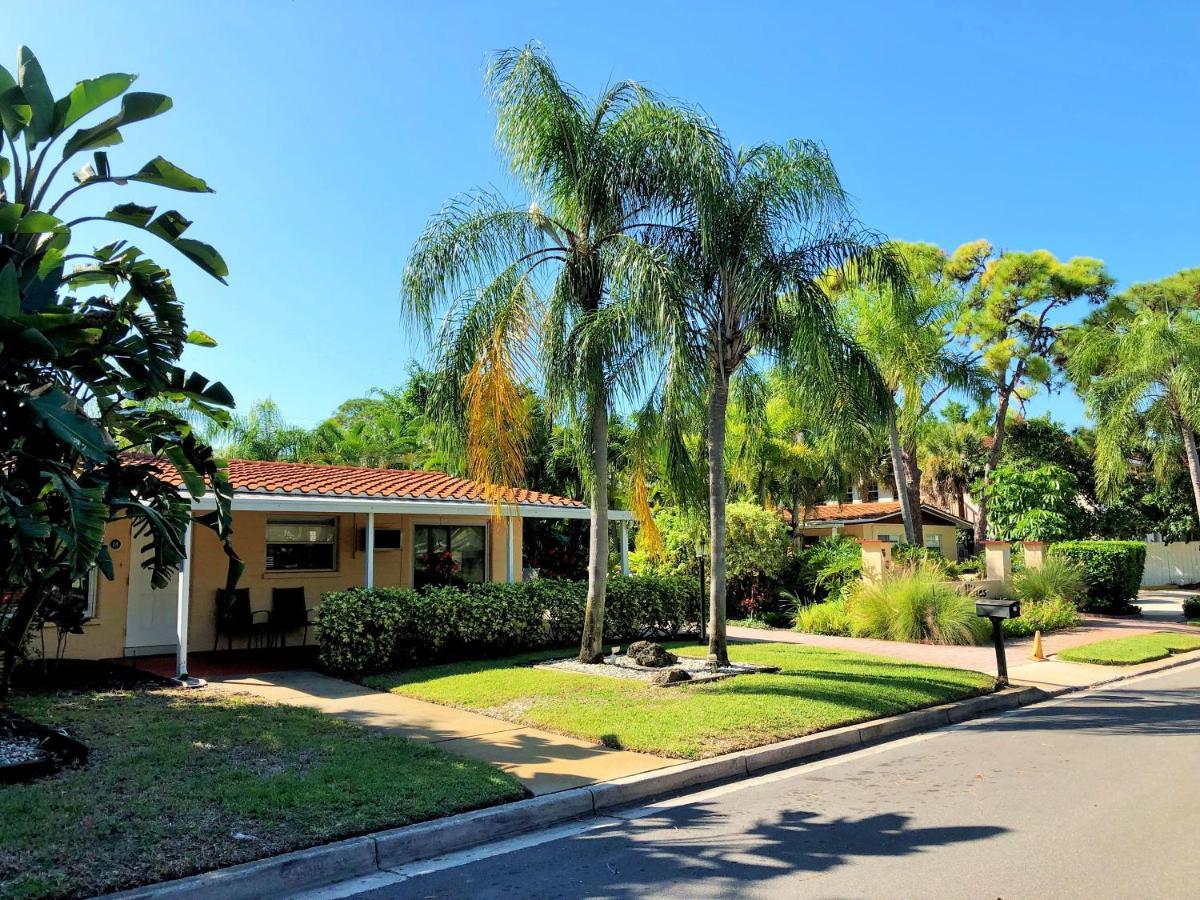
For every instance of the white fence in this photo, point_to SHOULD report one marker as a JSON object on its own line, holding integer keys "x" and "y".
{"x": 1177, "y": 563}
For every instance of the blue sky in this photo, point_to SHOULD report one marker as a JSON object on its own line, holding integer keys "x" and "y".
{"x": 331, "y": 132}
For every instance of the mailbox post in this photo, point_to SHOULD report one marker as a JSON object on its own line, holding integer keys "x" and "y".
{"x": 998, "y": 611}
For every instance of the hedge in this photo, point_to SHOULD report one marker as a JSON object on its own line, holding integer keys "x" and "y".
{"x": 366, "y": 630}
{"x": 1112, "y": 569}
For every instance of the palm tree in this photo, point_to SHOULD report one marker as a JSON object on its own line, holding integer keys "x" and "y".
{"x": 544, "y": 291}
{"x": 909, "y": 335}
{"x": 951, "y": 461}
{"x": 789, "y": 456}
{"x": 1137, "y": 363}
{"x": 768, "y": 223}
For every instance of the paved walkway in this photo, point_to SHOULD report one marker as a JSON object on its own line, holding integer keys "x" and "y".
{"x": 541, "y": 761}
{"x": 1161, "y": 612}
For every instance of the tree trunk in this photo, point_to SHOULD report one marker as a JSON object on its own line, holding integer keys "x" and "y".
{"x": 591, "y": 649}
{"x": 912, "y": 477}
{"x": 797, "y": 515}
{"x": 898, "y": 475}
{"x": 993, "y": 462}
{"x": 1193, "y": 463}
{"x": 718, "y": 401}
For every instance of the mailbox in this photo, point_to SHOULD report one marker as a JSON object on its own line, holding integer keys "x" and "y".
{"x": 998, "y": 609}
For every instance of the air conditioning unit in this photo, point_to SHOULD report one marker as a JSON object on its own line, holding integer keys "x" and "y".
{"x": 385, "y": 539}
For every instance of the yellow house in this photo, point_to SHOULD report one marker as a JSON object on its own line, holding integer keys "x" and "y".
{"x": 319, "y": 528}
{"x": 881, "y": 520}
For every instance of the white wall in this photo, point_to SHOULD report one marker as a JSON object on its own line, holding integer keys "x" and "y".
{"x": 1177, "y": 563}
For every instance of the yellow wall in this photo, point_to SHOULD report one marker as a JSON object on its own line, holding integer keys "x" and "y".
{"x": 104, "y": 635}
{"x": 870, "y": 531}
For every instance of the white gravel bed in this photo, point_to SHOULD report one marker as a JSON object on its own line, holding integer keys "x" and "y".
{"x": 621, "y": 666}
{"x": 17, "y": 750}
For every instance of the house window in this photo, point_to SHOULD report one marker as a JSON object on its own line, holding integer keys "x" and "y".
{"x": 873, "y": 494}
{"x": 933, "y": 541}
{"x": 849, "y": 498}
{"x": 449, "y": 554}
{"x": 301, "y": 545}
{"x": 893, "y": 538}
{"x": 86, "y": 589}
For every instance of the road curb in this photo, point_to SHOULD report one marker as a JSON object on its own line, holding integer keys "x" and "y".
{"x": 316, "y": 867}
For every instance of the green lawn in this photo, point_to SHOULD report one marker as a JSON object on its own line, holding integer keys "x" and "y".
{"x": 816, "y": 689}
{"x": 174, "y": 775}
{"x": 1129, "y": 651}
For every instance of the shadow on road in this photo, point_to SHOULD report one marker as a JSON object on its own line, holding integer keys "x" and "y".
{"x": 718, "y": 850}
{"x": 1112, "y": 712}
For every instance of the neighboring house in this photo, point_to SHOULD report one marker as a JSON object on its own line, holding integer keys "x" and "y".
{"x": 321, "y": 528}
{"x": 881, "y": 520}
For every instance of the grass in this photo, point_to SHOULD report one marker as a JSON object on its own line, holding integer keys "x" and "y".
{"x": 1129, "y": 651}
{"x": 173, "y": 776}
{"x": 816, "y": 689}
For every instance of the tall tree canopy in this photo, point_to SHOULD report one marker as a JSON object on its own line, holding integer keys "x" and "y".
{"x": 767, "y": 225}
{"x": 1015, "y": 304}
{"x": 1136, "y": 362}
{"x": 554, "y": 292}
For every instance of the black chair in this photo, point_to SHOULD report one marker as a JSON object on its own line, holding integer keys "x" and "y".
{"x": 289, "y": 613}
{"x": 236, "y": 619}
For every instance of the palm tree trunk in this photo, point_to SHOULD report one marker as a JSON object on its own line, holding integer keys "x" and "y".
{"x": 912, "y": 477}
{"x": 591, "y": 649}
{"x": 898, "y": 474}
{"x": 797, "y": 535}
{"x": 1193, "y": 463}
{"x": 718, "y": 401}
{"x": 993, "y": 462}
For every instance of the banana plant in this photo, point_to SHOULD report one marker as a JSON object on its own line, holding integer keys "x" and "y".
{"x": 92, "y": 396}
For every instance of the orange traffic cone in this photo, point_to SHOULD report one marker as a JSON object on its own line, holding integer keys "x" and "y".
{"x": 1037, "y": 647}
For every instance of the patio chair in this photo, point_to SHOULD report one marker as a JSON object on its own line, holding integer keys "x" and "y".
{"x": 236, "y": 619}
{"x": 289, "y": 613}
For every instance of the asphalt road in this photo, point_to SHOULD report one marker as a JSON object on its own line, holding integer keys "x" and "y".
{"x": 1095, "y": 796}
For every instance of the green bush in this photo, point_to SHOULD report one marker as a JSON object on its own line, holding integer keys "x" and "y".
{"x": 1058, "y": 579}
{"x": 1054, "y": 614}
{"x": 1191, "y": 607}
{"x": 371, "y": 630}
{"x": 1112, "y": 570}
{"x": 828, "y": 567}
{"x": 914, "y": 605}
{"x": 830, "y": 617}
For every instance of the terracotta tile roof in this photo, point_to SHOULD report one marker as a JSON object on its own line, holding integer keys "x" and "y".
{"x": 863, "y": 512}
{"x": 351, "y": 481}
{"x": 848, "y": 511}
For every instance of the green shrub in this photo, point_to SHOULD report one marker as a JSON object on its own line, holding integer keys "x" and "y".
{"x": 914, "y": 605}
{"x": 1058, "y": 579}
{"x": 1054, "y": 614}
{"x": 1191, "y": 607}
{"x": 1112, "y": 570}
{"x": 371, "y": 630}
{"x": 636, "y": 606}
{"x": 828, "y": 567}
{"x": 830, "y": 617}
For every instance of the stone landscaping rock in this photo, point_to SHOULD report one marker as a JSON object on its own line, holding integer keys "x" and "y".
{"x": 670, "y": 676}
{"x": 651, "y": 655}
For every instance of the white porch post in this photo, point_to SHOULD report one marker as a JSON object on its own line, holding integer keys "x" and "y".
{"x": 182, "y": 604}
{"x": 510, "y": 568}
{"x": 624, "y": 547}
{"x": 370, "y": 549}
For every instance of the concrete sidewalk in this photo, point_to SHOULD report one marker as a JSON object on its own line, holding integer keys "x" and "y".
{"x": 1164, "y": 613}
{"x": 541, "y": 761}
